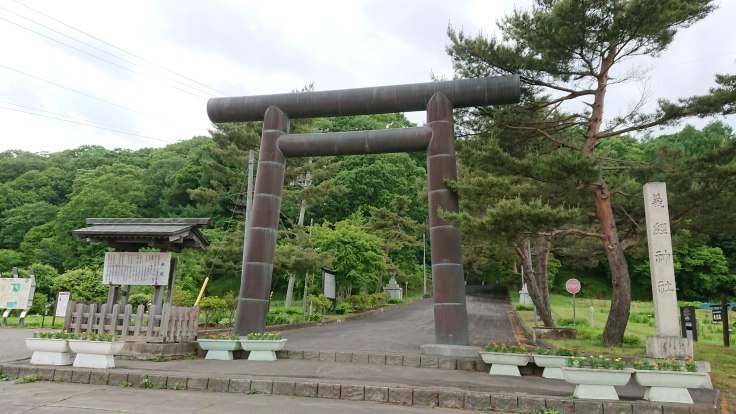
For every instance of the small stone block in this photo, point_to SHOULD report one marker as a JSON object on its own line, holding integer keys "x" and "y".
{"x": 501, "y": 402}
{"x": 48, "y": 373}
{"x": 427, "y": 398}
{"x": 399, "y": 395}
{"x": 218, "y": 384}
{"x": 702, "y": 409}
{"x": 282, "y": 354}
{"x": 156, "y": 380}
{"x": 566, "y": 405}
{"x": 12, "y": 372}
{"x": 135, "y": 378}
{"x": 61, "y": 375}
{"x": 239, "y": 385}
{"x": 394, "y": 360}
{"x": 587, "y": 406}
{"x": 81, "y": 376}
{"x": 617, "y": 407}
{"x": 429, "y": 361}
{"x": 116, "y": 379}
{"x": 26, "y": 371}
{"x": 306, "y": 389}
{"x": 412, "y": 361}
{"x": 171, "y": 382}
{"x": 311, "y": 355}
{"x": 528, "y": 404}
{"x": 327, "y": 390}
{"x": 343, "y": 357}
{"x": 466, "y": 364}
{"x": 360, "y": 358}
{"x": 327, "y": 356}
{"x": 352, "y": 392}
{"x": 644, "y": 407}
{"x": 675, "y": 409}
{"x": 296, "y": 354}
{"x": 447, "y": 363}
{"x": 376, "y": 393}
{"x": 480, "y": 401}
{"x": 197, "y": 383}
{"x": 482, "y": 366}
{"x": 379, "y": 359}
{"x": 452, "y": 399}
{"x": 262, "y": 386}
{"x": 283, "y": 387}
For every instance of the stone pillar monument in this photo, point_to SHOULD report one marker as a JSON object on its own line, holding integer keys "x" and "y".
{"x": 668, "y": 342}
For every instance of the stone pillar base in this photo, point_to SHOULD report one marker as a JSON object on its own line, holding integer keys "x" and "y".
{"x": 461, "y": 351}
{"x": 669, "y": 347}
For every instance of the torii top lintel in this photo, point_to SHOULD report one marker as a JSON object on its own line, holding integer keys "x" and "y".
{"x": 365, "y": 101}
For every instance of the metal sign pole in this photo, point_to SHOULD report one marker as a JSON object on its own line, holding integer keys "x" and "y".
{"x": 574, "y": 320}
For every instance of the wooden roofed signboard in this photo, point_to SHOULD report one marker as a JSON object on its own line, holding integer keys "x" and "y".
{"x": 136, "y": 268}
{"x": 131, "y": 234}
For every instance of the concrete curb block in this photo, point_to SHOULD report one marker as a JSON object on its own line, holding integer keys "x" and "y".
{"x": 406, "y": 395}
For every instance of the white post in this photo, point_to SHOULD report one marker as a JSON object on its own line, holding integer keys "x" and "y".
{"x": 668, "y": 342}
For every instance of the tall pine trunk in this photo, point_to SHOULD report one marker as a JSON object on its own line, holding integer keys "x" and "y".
{"x": 613, "y": 333}
{"x": 535, "y": 293}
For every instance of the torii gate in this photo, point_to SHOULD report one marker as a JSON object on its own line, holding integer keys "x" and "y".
{"x": 437, "y": 138}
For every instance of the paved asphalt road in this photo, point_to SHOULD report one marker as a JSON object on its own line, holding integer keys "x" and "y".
{"x": 64, "y": 398}
{"x": 400, "y": 329}
{"x": 403, "y": 329}
{"x": 13, "y": 345}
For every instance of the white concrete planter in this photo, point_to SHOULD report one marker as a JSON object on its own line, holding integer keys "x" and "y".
{"x": 95, "y": 354}
{"x": 49, "y": 351}
{"x": 551, "y": 365}
{"x": 669, "y": 386}
{"x": 221, "y": 349}
{"x": 262, "y": 350}
{"x": 504, "y": 363}
{"x": 596, "y": 384}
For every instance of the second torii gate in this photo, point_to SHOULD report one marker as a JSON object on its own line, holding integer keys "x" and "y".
{"x": 437, "y": 139}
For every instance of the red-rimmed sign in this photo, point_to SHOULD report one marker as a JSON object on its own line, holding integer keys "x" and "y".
{"x": 572, "y": 286}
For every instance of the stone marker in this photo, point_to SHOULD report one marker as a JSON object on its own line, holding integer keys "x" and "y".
{"x": 668, "y": 342}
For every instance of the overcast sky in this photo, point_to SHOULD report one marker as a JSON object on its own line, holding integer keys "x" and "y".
{"x": 147, "y": 68}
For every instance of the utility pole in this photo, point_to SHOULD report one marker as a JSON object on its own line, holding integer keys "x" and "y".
{"x": 424, "y": 262}
{"x": 248, "y": 204}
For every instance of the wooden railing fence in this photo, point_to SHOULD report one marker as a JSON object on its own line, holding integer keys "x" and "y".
{"x": 160, "y": 324}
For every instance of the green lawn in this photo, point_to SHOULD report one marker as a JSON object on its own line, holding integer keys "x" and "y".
{"x": 641, "y": 324}
{"x": 34, "y": 321}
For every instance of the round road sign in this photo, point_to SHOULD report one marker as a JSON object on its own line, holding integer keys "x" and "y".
{"x": 572, "y": 286}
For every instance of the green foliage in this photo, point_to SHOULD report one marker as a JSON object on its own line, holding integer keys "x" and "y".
{"x": 40, "y": 300}
{"x": 16, "y": 222}
{"x": 10, "y": 259}
{"x": 85, "y": 284}
{"x": 524, "y": 307}
{"x": 212, "y": 306}
{"x": 30, "y": 378}
{"x": 144, "y": 299}
{"x": 365, "y": 301}
{"x": 146, "y": 383}
{"x": 319, "y": 303}
{"x": 182, "y": 297}
{"x": 357, "y": 254}
{"x": 376, "y": 180}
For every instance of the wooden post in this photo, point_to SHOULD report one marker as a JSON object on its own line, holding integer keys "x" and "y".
{"x": 172, "y": 278}
{"x": 724, "y": 319}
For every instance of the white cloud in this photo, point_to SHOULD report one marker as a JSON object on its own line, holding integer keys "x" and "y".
{"x": 253, "y": 47}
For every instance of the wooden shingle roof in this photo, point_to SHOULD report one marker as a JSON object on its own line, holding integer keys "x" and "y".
{"x": 130, "y": 234}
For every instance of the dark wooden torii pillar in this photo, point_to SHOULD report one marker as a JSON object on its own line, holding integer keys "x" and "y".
{"x": 437, "y": 138}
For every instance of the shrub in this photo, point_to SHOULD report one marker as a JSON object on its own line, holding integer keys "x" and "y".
{"x": 140, "y": 299}
{"x": 319, "y": 303}
{"x": 631, "y": 340}
{"x": 521, "y": 307}
{"x": 568, "y": 323}
{"x": 394, "y": 301}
